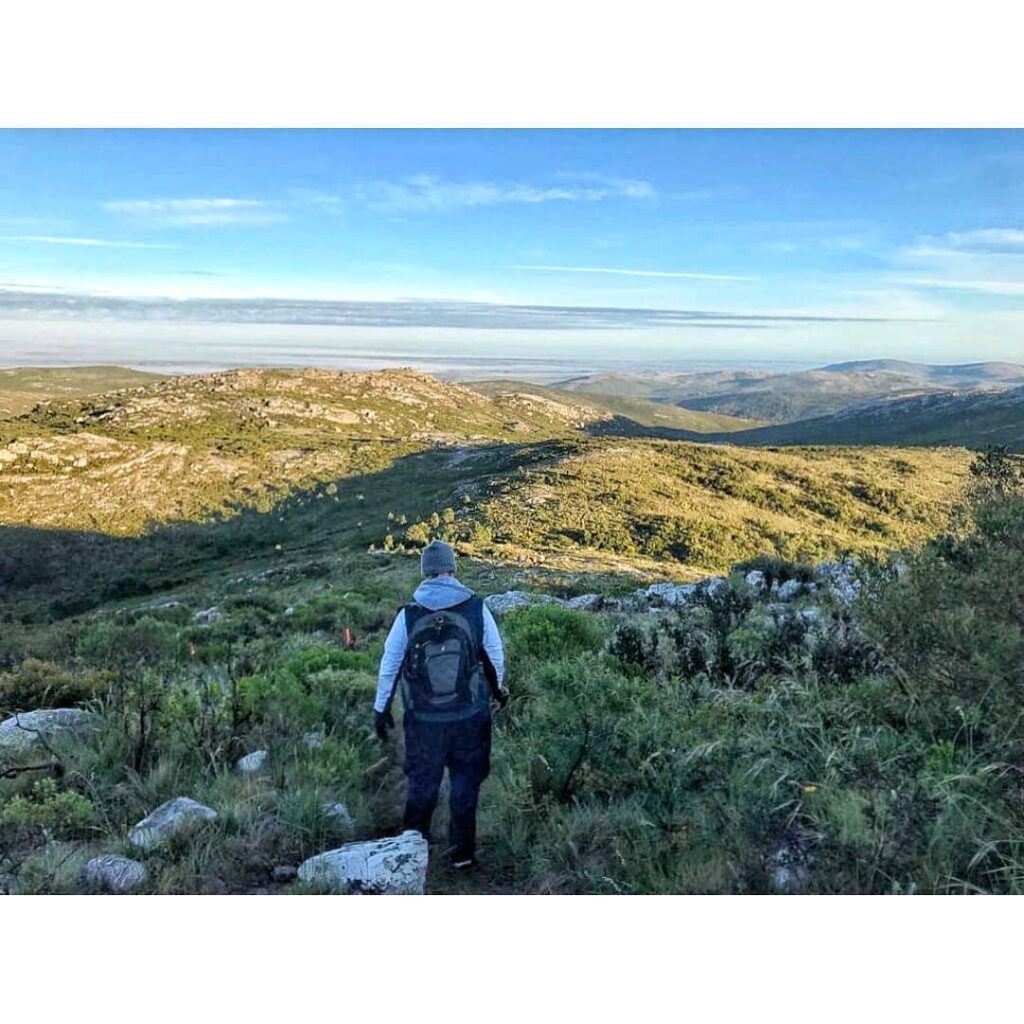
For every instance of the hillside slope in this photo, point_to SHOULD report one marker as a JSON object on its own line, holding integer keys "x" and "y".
{"x": 186, "y": 447}
{"x": 23, "y": 387}
{"x": 677, "y": 508}
{"x": 631, "y": 416}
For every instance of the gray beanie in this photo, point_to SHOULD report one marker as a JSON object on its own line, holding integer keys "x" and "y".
{"x": 437, "y": 557}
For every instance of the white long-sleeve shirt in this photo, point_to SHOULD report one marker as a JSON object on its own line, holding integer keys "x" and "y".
{"x": 435, "y": 593}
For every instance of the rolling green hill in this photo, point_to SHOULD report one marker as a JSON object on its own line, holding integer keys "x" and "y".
{"x": 23, "y": 387}
{"x": 632, "y": 416}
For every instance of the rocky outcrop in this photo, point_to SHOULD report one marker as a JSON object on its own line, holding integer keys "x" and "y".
{"x": 513, "y": 600}
{"x": 34, "y": 728}
{"x": 207, "y": 616}
{"x": 176, "y": 817}
{"x": 114, "y": 874}
{"x": 840, "y": 578}
{"x": 395, "y": 866}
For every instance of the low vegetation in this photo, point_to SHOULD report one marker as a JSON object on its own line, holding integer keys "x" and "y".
{"x": 739, "y": 742}
{"x": 732, "y": 745}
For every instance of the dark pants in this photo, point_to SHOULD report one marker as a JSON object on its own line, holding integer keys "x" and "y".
{"x": 464, "y": 748}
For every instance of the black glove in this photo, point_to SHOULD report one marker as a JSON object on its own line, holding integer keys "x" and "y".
{"x": 501, "y": 696}
{"x": 383, "y": 722}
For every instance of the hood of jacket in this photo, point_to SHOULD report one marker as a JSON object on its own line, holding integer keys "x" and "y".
{"x": 441, "y": 592}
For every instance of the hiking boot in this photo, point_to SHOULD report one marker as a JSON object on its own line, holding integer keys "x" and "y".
{"x": 461, "y": 860}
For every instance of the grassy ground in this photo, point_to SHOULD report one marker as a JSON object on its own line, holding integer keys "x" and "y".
{"x": 731, "y": 747}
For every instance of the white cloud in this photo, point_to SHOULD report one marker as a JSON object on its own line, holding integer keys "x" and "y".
{"x": 986, "y": 260}
{"x": 106, "y": 243}
{"x": 996, "y": 238}
{"x": 989, "y": 287}
{"x": 424, "y": 193}
{"x": 629, "y": 272}
{"x": 189, "y": 212}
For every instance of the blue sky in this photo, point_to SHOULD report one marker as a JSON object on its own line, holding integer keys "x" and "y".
{"x": 790, "y": 245}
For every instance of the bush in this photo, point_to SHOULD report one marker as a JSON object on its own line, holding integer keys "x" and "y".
{"x": 547, "y": 632}
{"x": 42, "y": 684}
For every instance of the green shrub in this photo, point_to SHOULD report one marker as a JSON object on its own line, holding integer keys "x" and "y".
{"x": 548, "y": 631}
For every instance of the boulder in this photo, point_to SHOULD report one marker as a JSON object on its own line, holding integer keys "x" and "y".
{"x": 114, "y": 874}
{"x": 715, "y": 587}
{"x": 252, "y": 763}
{"x": 671, "y": 593}
{"x": 32, "y": 728}
{"x": 756, "y": 580}
{"x": 789, "y": 590}
{"x": 395, "y": 866}
{"x": 208, "y": 616}
{"x": 586, "y": 603}
{"x": 176, "y": 817}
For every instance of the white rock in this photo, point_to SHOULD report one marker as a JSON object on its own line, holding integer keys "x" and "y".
{"x": 586, "y": 603}
{"x": 789, "y": 590}
{"x": 208, "y": 616}
{"x": 177, "y": 816}
{"x": 512, "y": 600}
{"x": 840, "y": 578}
{"x": 252, "y": 763}
{"x": 716, "y": 586}
{"x": 672, "y": 593}
{"x": 756, "y": 580}
{"x": 395, "y": 866}
{"x": 114, "y": 874}
{"x": 338, "y": 814}
{"x": 31, "y": 728}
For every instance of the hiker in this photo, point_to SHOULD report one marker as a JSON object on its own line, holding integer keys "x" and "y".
{"x": 445, "y": 653}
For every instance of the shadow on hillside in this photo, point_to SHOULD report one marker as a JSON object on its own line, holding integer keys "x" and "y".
{"x": 623, "y": 426}
{"x": 50, "y": 574}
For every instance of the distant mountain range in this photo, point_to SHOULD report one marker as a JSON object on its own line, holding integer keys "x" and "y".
{"x": 802, "y": 395}
{"x": 972, "y": 418}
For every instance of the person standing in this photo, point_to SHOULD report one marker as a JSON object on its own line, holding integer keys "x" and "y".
{"x": 445, "y": 654}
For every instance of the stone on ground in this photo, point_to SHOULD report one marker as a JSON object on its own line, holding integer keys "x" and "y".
{"x": 114, "y": 874}
{"x": 586, "y": 603}
{"x": 395, "y": 866}
{"x": 252, "y": 763}
{"x": 32, "y": 728}
{"x": 789, "y": 590}
{"x": 176, "y": 817}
